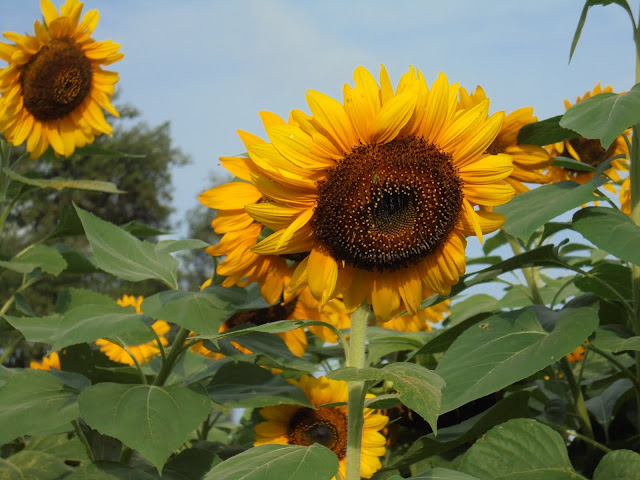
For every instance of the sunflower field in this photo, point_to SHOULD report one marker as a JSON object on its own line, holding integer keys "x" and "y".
{"x": 346, "y": 332}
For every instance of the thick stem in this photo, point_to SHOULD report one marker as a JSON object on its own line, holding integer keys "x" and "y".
{"x": 576, "y": 391}
{"x": 357, "y": 390}
{"x": 172, "y": 358}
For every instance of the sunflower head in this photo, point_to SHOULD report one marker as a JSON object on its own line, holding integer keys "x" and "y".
{"x": 589, "y": 151}
{"x": 54, "y": 88}
{"x": 375, "y": 195}
{"x": 577, "y": 355}
{"x": 48, "y": 362}
{"x": 296, "y": 425}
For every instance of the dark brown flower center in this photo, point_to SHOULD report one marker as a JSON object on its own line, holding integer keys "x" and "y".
{"x": 55, "y": 81}
{"x": 326, "y": 426}
{"x": 261, "y": 316}
{"x": 387, "y": 206}
{"x": 590, "y": 151}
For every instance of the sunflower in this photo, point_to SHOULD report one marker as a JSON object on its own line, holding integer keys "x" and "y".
{"x": 301, "y": 307}
{"x": 54, "y": 88}
{"x": 421, "y": 321}
{"x": 380, "y": 192}
{"x": 589, "y": 151}
{"x": 143, "y": 352}
{"x": 625, "y": 196}
{"x": 296, "y": 425}
{"x": 528, "y": 160}
{"x": 48, "y": 362}
{"x": 240, "y": 233}
{"x": 577, "y": 355}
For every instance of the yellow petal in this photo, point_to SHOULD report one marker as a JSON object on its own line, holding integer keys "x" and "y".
{"x": 479, "y": 140}
{"x": 487, "y": 221}
{"x": 490, "y": 195}
{"x": 274, "y": 216}
{"x": 49, "y": 12}
{"x": 410, "y": 288}
{"x": 330, "y": 115}
{"x": 384, "y": 296}
{"x": 393, "y": 116}
{"x": 322, "y": 275}
{"x": 230, "y": 196}
{"x": 488, "y": 169}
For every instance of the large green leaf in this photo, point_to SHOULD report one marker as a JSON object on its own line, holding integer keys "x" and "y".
{"x": 527, "y": 212}
{"x": 603, "y": 406}
{"x": 512, "y": 346}
{"x": 583, "y": 17}
{"x": 513, "y": 406}
{"x": 45, "y": 258}
{"x": 70, "y": 450}
{"x": 62, "y": 183}
{"x": 27, "y": 465}
{"x": 123, "y": 255}
{"x": 604, "y": 116}
{"x": 520, "y": 449}
{"x": 110, "y": 471}
{"x": 609, "y": 341}
{"x": 545, "y": 132}
{"x": 611, "y": 230}
{"x": 282, "y": 462}
{"x": 204, "y": 311}
{"x": 155, "y": 421}
{"x": 35, "y": 401}
{"x": 618, "y": 465}
{"x": 81, "y": 324}
{"x": 438, "y": 474}
{"x": 607, "y": 274}
{"x": 170, "y": 246}
{"x": 420, "y": 389}
{"x": 244, "y": 385}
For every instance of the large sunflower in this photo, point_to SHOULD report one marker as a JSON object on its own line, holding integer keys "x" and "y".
{"x": 588, "y": 151}
{"x": 296, "y": 425}
{"x": 528, "y": 160}
{"x": 421, "y": 321}
{"x": 380, "y": 193}
{"x": 142, "y": 353}
{"x": 54, "y": 88}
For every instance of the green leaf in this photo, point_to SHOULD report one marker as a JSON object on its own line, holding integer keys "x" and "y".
{"x": 121, "y": 254}
{"x": 618, "y": 465}
{"x": 611, "y": 230}
{"x": 244, "y": 385}
{"x": 438, "y": 474}
{"x": 610, "y": 342}
{"x": 62, "y": 183}
{"x": 446, "y": 336}
{"x": 68, "y": 225}
{"x": 520, "y": 449}
{"x": 545, "y": 132}
{"x": 470, "y": 307}
{"x": 603, "y": 406}
{"x": 86, "y": 323}
{"x": 35, "y": 401}
{"x": 155, "y": 421}
{"x": 572, "y": 164}
{"x": 420, "y": 389}
{"x": 26, "y": 465}
{"x": 204, "y": 311}
{"x": 604, "y": 116}
{"x": 527, "y": 212}
{"x": 138, "y": 229}
{"x": 614, "y": 275}
{"x": 190, "y": 464}
{"x": 286, "y": 462}
{"x": 170, "y": 246}
{"x": 109, "y": 471}
{"x": 513, "y": 346}
{"x": 45, "y": 258}
{"x": 583, "y": 16}
{"x": 60, "y": 446}
{"x": 514, "y": 406}
{"x": 76, "y": 297}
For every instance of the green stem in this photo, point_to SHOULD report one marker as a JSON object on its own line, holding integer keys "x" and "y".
{"x": 83, "y": 440}
{"x": 625, "y": 371}
{"x": 576, "y": 392}
{"x": 569, "y": 431}
{"x": 357, "y": 390}
{"x": 172, "y": 358}
{"x": 634, "y": 175}
{"x": 125, "y": 454}
{"x": 528, "y": 272}
{"x": 11, "y": 348}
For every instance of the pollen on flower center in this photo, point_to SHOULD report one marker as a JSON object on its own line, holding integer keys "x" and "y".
{"x": 56, "y": 80}
{"x": 326, "y": 426}
{"x": 387, "y": 206}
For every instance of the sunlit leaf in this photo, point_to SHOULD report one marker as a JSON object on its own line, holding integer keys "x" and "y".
{"x": 545, "y": 132}
{"x": 618, "y": 465}
{"x": 62, "y": 183}
{"x": 45, "y": 258}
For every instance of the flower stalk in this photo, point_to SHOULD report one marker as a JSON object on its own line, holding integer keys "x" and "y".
{"x": 357, "y": 389}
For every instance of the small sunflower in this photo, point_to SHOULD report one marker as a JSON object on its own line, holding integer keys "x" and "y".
{"x": 588, "y": 151}
{"x": 577, "y": 355}
{"x": 625, "y": 196}
{"x": 54, "y": 88}
{"x": 142, "y": 353}
{"x": 379, "y": 193}
{"x": 296, "y": 425}
{"x": 421, "y": 321}
{"x": 48, "y": 362}
{"x": 240, "y": 233}
{"x": 528, "y": 160}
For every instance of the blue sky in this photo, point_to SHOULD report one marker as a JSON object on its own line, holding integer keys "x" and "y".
{"x": 209, "y": 67}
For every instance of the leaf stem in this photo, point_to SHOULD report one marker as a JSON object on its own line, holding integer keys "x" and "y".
{"x": 83, "y": 439}
{"x": 624, "y": 370}
{"x": 570, "y": 431}
{"x": 356, "y": 358}
{"x": 576, "y": 392}
{"x": 175, "y": 352}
